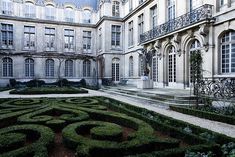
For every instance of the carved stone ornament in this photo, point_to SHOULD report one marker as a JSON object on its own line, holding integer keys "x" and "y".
{"x": 204, "y": 31}
{"x": 157, "y": 46}
{"x": 177, "y": 43}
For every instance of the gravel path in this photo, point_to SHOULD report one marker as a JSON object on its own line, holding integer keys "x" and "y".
{"x": 219, "y": 127}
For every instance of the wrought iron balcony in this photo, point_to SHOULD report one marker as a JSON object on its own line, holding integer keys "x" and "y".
{"x": 202, "y": 13}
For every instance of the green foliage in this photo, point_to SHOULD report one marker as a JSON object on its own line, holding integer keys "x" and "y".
{"x": 35, "y": 83}
{"x": 96, "y": 126}
{"x": 196, "y": 73}
{"x": 204, "y": 114}
{"x": 229, "y": 149}
{"x": 83, "y": 82}
{"x": 12, "y": 82}
{"x": 43, "y": 138}
{"x": 49, "y": 90}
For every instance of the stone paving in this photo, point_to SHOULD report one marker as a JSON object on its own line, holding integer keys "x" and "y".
{"x": 219, "y": 127}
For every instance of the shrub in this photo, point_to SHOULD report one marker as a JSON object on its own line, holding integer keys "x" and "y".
{"x": 204, "y": 114}
{"x": 62, "y": 82}
{"x": 83, "y": 82}
{"x": 12, "y": 82}
{"x": 43, "y": 138}
{"x": 49, "y": 90}
{"x": 35, "y": 83}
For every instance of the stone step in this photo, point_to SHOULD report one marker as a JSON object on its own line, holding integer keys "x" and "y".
{"x": 166, "y": 99}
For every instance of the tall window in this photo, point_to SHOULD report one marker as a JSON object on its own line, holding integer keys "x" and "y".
{"x": 86, "y": 40}
{"x": 116, "y": 9}
{"x": 7, "y": 7}
{"x": 29, "y": 38}
{"x": 115, "y": 70}
{"x": 140, "y": 25}
{"x": 100, "y": 39}
{"x": 221, "y": 2}
{"x": 29, "y": 67}
{"x": 172, "y": 65}
{"x": 50, "y": 12}
{"x": 141, "y": 65}
{"x": 7, "y": 67}
{"x": 86, "y": 16}
{"x": 68, "y": 68}
{"x": 7, "y": 36}
{"x": 131, "y": 66}
{"x": 86, "y": 68}
{"x": 195, "y": 46}
{"x": 153, "y": 12}
{"x": 50, "y": 68}
{"x": 228, "y": 52}
{"x": 194, "y": 4}
{"x": 50, "y": 39}
{"x": 29, "y": 10}
{"x": 155, "y": 69}
{"x": 69, "y": 14}
{"x": 131, "y": 33}
{"x": 171, "y": 9}
{"x": 69, "y": 40}
{"x": 130, "y": 5}
{"x": 116, "y": 36}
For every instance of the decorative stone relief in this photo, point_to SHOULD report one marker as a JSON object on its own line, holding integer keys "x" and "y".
{"x": 177, "y": 43}
{"x": 157, "y": 47}
{"x": 204, "y": 31}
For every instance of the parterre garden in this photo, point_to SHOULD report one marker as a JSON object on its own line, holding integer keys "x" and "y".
{"x": 98, "y": 127}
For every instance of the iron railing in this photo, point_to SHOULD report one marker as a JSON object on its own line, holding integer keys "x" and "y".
{"x": 202, "y": 13}
{"x": 221, "y": 88}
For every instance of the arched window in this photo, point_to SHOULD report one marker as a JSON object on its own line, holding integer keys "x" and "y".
{"x": 7, "y": 7}
{"x": 30, "y": 10}
{"x": 86, "y": 68}
{"x": 131, "y": 66}
{"x": 141, "y": 65}
{"x": 50, "y": 68}
{"x": 68, "y": 68}
{"x": 69, "y": 14}
{"x": 116, "y": 9}
{"x": 171, "y": 64}
{"x": 29, "y": 67}
{"x": 194, "y": 48}
{"x": 86, "y": 16}
{"x": 50, "y": 12}
{"x": 228, "y": 52}
{"x": 7, "y": 67}
{"x": 115, "y": 70}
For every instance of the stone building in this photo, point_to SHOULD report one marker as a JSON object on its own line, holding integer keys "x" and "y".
{"x": 111, "y": 39}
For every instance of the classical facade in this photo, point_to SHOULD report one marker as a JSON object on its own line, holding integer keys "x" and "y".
{"x": 114, "y": 39}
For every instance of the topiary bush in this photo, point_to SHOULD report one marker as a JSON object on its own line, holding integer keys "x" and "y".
{"x": 100, "y": 127}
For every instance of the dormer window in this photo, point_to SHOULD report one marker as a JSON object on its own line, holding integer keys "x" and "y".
{"x": 7, "y": 7}
{"x": 116, "y": 9}
{"x": 50, "y": 12}
{"x": 69, "y": 14}
{"x": 30, "y": 11}
{"x": 86, "y": 16}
